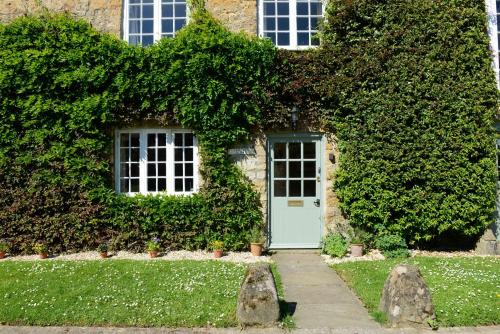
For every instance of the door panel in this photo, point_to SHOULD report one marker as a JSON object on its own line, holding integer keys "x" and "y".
{"x": 295, "y": 192}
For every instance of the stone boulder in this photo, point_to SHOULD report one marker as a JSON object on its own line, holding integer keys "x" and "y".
{"x": 406, "y": 299}
{"x": 258, "y": 299}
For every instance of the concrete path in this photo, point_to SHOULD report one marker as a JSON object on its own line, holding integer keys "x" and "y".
{"x": 322, "y": 299}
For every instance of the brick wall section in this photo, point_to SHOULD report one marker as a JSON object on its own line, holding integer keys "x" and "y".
{"x": 104, "y": 15}
{"x": 237, "y": 15}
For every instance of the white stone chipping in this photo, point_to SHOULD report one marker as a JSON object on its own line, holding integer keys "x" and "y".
{"x": 236, "y": 257}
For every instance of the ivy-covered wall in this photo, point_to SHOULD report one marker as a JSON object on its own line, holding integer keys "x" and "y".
{"x": 64, "y": 87}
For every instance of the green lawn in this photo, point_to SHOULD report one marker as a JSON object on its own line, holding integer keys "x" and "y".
{"x": 120, "y": 292}
{"x": 465, "y": 291}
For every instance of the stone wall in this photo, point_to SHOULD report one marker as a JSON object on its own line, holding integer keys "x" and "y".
{"x": 104, "y": 15}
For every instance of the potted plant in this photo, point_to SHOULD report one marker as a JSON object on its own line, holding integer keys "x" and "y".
{"x": 153, "y": 247}
{"x": 103, "y": 250}
{"x": 257, "y": 240}
{"x": 217, "y": 247}
{"x": 357, "y": 243}
{"x": 41, "y": 249}
{"x": 4, "y": 248}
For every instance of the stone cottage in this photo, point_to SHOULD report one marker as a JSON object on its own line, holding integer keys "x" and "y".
{"x": 292, "y": 170}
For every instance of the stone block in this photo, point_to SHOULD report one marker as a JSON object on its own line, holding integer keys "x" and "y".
{"x": 406, "y": 299}
{"x": 258, "y": 299}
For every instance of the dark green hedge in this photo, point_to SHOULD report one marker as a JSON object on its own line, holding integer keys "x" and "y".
{"x": 413, "y": 111}
{"x": 65, "y": 87}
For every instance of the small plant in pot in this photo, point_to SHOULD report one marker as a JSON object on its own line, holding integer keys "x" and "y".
{"x": 4, "y": 248}
{"x": 103, "y": 250}
{"x": 153, "y": 247}
{"x": 41, "y": 249}
{"x": 257, "y": 240}
{"x": 217, "y": 247}
{"x": 357, "y": 242}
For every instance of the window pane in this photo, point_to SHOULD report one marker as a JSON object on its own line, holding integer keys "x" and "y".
{"x": 280, "y": 188}
{"x": 147, "y": 11}
{"x": 294, "y": 189}
{"x": 151, "y": 184}
{"x": 270, "y": 23}
{"x": 162, "y": 169}
{"x": 151, "y": 154}
{"x": 124, "y": 186}
{"x": 151, "y": 169}
{"x": 280, "y": 150}
{"x": 303, "y": 38}
{"x": 279, "y": 169}
{"x": 134, "y": 40}
{"x": 178, "y": 154}
{"x": 309, "y": 151}
{"x": 124, "y": 156}
{"x": 314, "y": 23}
{"x": 314, "y": 39}
{"x": 302, "y": 23}
{"x": 162, "y": 139}
{"x": 271, "y": 36}
{"x": 162, "y": 184}
{"x": 134, "y": 12}
{"x": 294, "y": 151}
{"x": 134, "y": 154}
{"x": 162, "y": 154}
{"x": 188, "y": 139}
{"x": 167, "y": 10}
{"x": 283, "y": 23}
{"x": 167, "y": 25}
{"x": 134, "y": 170}
{"x": 309, "y": 188}
{"x": 189, "y": 169}
{"x": 134, "y": 137}
{"x": 179, "y": 24}
{"x": 151, "y": 139}
{"x": 295, "y": 169}
{"x": 302, "y": 8}
{"x": 316, "y": 8}
{"x": 134, "y": 185}
{"x": 124, "y": 142}
{"x": 282, "y": 8}
{"x": 147, "y": 40}
{"x": 188, "y": 184}
{"x": 124, "y": 172}
{"x": 178, "y": 185}
{"x": 283, "y": 39}
{"x": 188, "y": 152}
{"x": 178, "y": 170}
{"x": 309, "y": 168}
{"x": 269, "y": 8}
{"x": 147, "y": 26}
{"x": 178, "y": 139}
{"x": 180, "y": 10}
{"x": 134, "y": 27}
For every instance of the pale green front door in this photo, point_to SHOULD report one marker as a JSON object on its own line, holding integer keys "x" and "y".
{"x": 295, "y": 184}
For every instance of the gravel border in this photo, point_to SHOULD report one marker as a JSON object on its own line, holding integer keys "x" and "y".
{"x": 236, "y": 257}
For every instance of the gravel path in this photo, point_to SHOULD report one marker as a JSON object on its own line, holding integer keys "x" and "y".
{"x": 238, "y": 257}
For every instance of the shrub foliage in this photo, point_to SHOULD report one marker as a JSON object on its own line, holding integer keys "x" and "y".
{"x": 64, "y": 88}
{"x": 412, "y": 104}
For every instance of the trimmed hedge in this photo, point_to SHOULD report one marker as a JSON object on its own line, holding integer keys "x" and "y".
{"x": 414, "y": 115}
{"x": 64, "y": 88}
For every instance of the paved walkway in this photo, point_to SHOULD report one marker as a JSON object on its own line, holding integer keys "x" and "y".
{"x": 322, "y": 299}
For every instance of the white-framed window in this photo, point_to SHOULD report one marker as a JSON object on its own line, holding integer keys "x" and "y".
{"x": 291, "y": 24}
{"x": 146, "y": 21}
{"x": 152, "y": 161}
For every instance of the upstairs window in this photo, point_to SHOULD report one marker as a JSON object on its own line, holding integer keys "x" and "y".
{"x": 290, "y": 24}
{"x": 150, "y": 161}
{"x": 146, "y": 21}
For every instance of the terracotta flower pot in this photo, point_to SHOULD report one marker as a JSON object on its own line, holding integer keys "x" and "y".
{"x": 256, "y": 249}
{"x": 153, "y": 254}
{"x": 2, "y": 255}
{"x": 104, "y": 255}
{"x": 217, "y": 253}
{"x": 43, "y": 255}
{"x": 357, "y": 250}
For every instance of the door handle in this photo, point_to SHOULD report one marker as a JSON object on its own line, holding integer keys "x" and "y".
{"x": 316, "y": 202}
